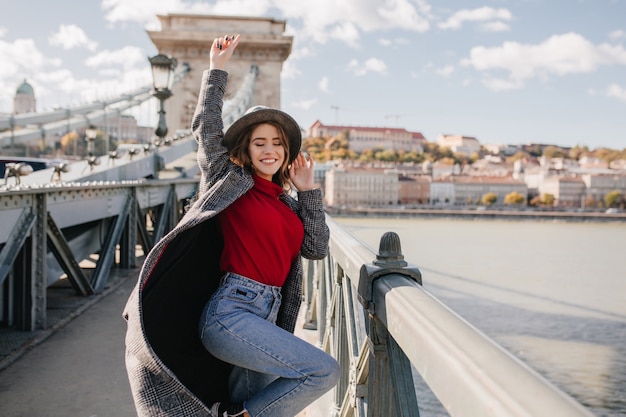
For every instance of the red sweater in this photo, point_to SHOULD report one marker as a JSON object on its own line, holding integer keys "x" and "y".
{"x": 262, "y": 235}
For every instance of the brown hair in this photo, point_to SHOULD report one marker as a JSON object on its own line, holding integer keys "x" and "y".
{"x": 240, "y": 155}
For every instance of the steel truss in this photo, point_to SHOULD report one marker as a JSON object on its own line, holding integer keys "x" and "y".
{"x": 50, "y": 231}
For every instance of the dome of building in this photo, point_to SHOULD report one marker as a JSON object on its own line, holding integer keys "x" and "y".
{"x": 24, "y": 100}
{"x": 25, "y": 88}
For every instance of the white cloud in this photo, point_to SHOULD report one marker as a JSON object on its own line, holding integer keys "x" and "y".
{"x": 445, "y": 71}
{"x": 318, "y": 21}
{"x": 141, "y": 11}
{"x": 347, "y": 32}
{"x": 3, "y": 31}
{"x": 304, "y": 104}
{"x": 125, "y": 58}
{"x": 393, "y": 42}
{"x": 617, "y": 92}
{"x": 371, "y": 65}
{"x": 323, "y": 85}
{"x": 290, "y": 70}
{"x": 21, "y": 59}
{"x": 314, "y": 23}
{"x": 481, "y": 14}
{"x": 70, "y": 37}
{"x": 617, "y": 35}
{"x": 558, "y": 55}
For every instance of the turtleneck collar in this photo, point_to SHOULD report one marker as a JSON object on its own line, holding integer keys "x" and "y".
{"x": 267, "y": 187}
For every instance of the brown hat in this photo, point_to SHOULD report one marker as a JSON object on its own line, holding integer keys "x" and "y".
{"x": 262, "y": 114}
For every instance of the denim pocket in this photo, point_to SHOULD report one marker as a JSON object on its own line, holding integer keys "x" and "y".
{"x": 242, "y": 294}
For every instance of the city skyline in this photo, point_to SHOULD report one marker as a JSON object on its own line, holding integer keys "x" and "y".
{"x": 502, "y": 71}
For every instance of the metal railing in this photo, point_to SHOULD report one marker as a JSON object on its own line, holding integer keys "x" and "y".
{"x": 373, "y": 315}
{"x": 47, "y": 232}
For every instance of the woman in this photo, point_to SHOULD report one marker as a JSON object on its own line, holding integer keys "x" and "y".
{"x": 241, "y": 242}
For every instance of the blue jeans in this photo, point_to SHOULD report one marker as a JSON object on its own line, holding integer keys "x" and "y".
{"x": 238, "y": 327}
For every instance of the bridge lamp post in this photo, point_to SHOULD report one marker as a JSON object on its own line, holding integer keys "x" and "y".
{"x": 17, "y": 170}
{"x": 162, "y": 77}
{"x": 90, "y": 137}
{"x": 60, "y": 168}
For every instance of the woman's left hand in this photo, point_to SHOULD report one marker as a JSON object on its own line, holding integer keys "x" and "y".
{"x": 301, "y": 172}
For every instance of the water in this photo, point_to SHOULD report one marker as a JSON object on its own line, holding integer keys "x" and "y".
{"x": 552, "y": 293}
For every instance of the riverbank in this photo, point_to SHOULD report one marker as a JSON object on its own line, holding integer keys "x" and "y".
{"x": 534, "y": 215}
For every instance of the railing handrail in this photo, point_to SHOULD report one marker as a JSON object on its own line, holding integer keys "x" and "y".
{"x": 468, "y": 372}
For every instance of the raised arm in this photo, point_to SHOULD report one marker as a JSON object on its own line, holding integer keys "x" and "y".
{"x": 207, "y": 124}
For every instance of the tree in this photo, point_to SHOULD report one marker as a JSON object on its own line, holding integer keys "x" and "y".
{"x": 69, "y": 143}
{"x": 366, "y": 156}
{"x": 514, "y": 198}
{"x": 547, "y": 199}
{"x": 614, "y": 199}
{"x": 554, "y": 152}
{"x": 489, "y": 199}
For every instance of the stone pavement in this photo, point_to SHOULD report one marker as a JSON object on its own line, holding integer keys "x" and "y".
{"x": 78, "y": 370}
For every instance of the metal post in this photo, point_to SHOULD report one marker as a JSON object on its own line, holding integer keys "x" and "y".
{"x": 390, "y": 382}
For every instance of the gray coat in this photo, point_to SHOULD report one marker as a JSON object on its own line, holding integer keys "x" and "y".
{"x": 170, "y": 372}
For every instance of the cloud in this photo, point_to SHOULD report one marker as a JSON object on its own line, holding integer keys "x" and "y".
{"x": 617, "y": 92}
{"x": 393, "y": 42}
{"x": 3, "y": 31}
{"x": 319, "y": 17}
{"x": 558, "y": 55}
{"x": 617, "y": 35}
{"x": 143, "y": 12}
{"x": 323, "y": 85}
{"x": 70, "y": 37}
{"x": 304, "y": 104}
{"x": 371, "y": 65}
{"x": 347, "y": 32}
{"x": 445, "y": 71}
{"x": 127, "y": 57}
{"x": 23, "y": 55}
{"x": 21, "y": 59}
{"x": 319, "y": 21}
{"x": 290, "y": 70}
{"x": 482, "y": 14}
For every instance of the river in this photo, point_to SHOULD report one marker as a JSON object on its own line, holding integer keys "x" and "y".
{"x": 552, "y": 293}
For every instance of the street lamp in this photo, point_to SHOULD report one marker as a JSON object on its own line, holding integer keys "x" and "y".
{"x": 162, "y": 77}
{"x": 90, "y": 137}
{"x": 17, "y": 170}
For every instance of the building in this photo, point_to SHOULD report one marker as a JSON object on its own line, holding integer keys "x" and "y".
{"x": 186, "y": 37}
{"x": 361, "y": 138}
{"x": 413, "y": 190}
{"x": 598, "y": 186}
{"x": 466, "y": 191}
{"x": 24, "y": 100}
{"x": 361, "y": 187}
{"x": 567, "y": 191}
{"x": 459, "y": 144}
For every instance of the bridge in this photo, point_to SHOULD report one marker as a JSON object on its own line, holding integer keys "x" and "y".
{"x": 86, "y": 229}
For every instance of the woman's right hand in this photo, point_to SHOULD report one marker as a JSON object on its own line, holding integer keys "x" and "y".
{"x": 222, "y": 49}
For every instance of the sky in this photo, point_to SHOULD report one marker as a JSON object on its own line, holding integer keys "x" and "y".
{"x": 502, "y": 71}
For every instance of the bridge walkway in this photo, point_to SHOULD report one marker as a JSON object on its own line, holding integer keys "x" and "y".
{"x": 76, "y": 367}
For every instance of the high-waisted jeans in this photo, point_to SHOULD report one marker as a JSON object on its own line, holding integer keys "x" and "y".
{"x": 281, "y": 372}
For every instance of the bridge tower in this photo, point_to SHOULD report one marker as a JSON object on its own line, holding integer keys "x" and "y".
{"x": 188, "y": 38}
